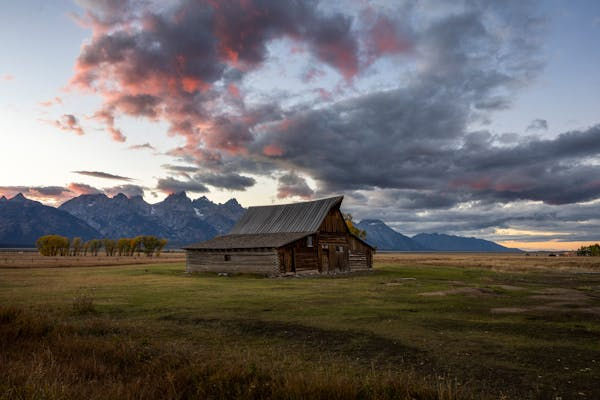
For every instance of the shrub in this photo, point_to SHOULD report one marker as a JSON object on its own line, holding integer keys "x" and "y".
{"x": 83, "y": 303}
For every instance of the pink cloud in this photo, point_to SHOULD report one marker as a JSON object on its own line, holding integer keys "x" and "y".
{"x": 68, "y": 123}
{"x": 51, "y": 102}
{"x": 385, "y": 39}
{"x": 272, "y": 150}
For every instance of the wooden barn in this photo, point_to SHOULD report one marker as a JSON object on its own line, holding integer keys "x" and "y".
{"x": 290, "y": 238}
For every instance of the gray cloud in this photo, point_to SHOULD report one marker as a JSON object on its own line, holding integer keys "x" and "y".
{"x": 538, "y": 125}
{"x": 145, "y": 146}
{"x": 104, "y": 175}
{"x": 291, "y": 184}
{"x": 230, "y": 181}
{"x": 127, "y": 190}
{"x": 172, "y": 185}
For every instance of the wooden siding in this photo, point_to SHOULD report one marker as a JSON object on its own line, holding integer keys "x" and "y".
{"x": 298, "y": 257}
{"x": 263, "y": 261}
{"x": 333, "y": 222}
{"x": 357, "y": 247}
{"x": 358, "y": 260}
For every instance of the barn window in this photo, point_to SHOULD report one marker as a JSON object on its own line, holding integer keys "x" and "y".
{"x": 227, "y": 257}
{"x": 339, "y": 249}
{"x": 309, "y": 241}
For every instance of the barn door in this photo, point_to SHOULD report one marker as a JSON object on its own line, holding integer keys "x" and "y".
{"x": 343, "y": 259}
{"x": 324, "y": 258}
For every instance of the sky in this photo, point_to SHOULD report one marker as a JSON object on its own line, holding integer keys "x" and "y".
{"x": 474, "y": 118}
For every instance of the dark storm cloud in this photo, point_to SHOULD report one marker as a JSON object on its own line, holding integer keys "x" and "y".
{"x": 166, "y": 60}
{"x": 538, "y": 125}
{"x": 404, "y": 151}
{"x": 104, "y": 175}
{"x": 172, "y": 185}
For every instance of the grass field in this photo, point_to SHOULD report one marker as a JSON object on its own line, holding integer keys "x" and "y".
{"x": 457, "y": 327}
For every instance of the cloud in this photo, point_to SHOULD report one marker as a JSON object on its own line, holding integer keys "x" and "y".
{"x": 7, "y": 77}
{"x": 172, "y": 185}
{"x": 104, "y": 175}
{"x": 290, "y": 185}
{"x": 538, "y": 125}
{"x": 51, "y": 102}
{"x": 69, "y": 123}
{"x": 383, "y": 108}
{"x": 82, "y": 188}
{"x": 48, "y": 194}
{"x": 145, "y": 146}
{"x": 167, "y": 63}
{"x": 128, "y": 190}
{"x": 229, "y": 181}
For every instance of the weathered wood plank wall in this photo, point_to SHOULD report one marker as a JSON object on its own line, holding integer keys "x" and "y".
{"x": 266, "y": 261}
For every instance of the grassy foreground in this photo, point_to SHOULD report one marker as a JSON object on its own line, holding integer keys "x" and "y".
{"x": 402, "y": 332}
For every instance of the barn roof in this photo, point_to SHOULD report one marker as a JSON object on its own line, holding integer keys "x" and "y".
{"x": 296, "y": 217}
{"x": 249, "y": 241}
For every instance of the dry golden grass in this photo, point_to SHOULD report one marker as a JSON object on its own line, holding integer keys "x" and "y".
{"x": 18, "y": 259}
{"x": 495, "y": 261}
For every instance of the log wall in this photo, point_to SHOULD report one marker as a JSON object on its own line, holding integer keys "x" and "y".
{"x": 263, "y": 262}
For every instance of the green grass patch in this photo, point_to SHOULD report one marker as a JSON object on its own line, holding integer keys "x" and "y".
{"x": 402, "y": 331}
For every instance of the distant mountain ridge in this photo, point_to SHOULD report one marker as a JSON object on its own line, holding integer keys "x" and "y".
{"x": 442, "y": 242}
{"x": 23, "y": 221}
{"x": 383, "y": 237}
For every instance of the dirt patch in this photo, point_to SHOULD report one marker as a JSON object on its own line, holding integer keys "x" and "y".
{"x": 469, "y": 291}
{"x": 509, "y": 287}
{"x": 562, "y": 295}
{"x": 508, "y": 310}
{"x": 399, "y": 281}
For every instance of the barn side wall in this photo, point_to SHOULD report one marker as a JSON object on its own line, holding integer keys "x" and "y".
{"x": 260, "y": 261}
{"x": 361, "y": 255}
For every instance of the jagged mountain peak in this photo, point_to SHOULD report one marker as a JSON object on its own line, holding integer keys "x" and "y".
{"x": 232, "y": 202}
{"x": 3, "y": 199}
{"x": 178, "y": 196}
{"x": 19, "y": 197}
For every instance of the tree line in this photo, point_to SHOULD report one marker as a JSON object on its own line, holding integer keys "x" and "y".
{"x": 593, "y": 250}
{"x": 56, "y": 245}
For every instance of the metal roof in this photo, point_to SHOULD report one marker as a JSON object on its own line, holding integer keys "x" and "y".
{"x": 249, "y": 241}
{"x": 296, "y": 217}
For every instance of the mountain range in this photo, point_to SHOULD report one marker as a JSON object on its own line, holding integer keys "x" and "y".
{"x": 22, "y": 221}
{"x": 177, "y": 218}
{"x": 180, "y": 220}
{"x": 385, "y": 238}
